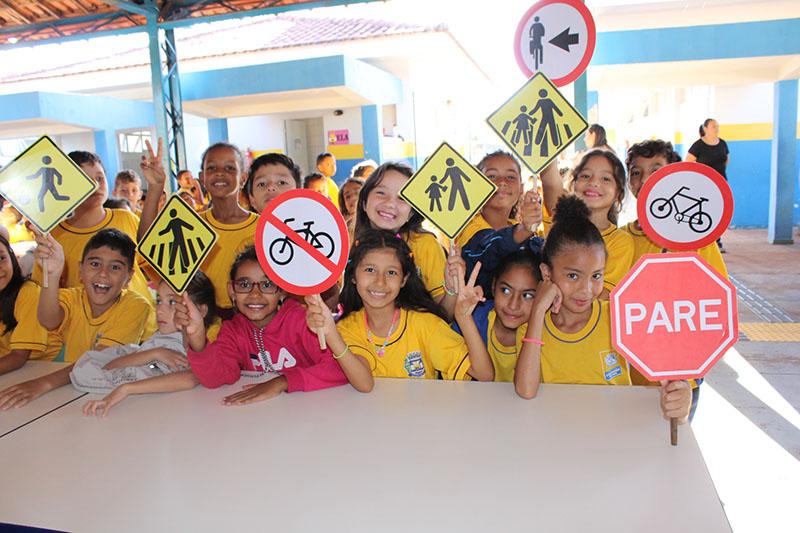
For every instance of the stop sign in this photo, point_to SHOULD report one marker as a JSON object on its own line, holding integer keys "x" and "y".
{"x": 673, "y": 316}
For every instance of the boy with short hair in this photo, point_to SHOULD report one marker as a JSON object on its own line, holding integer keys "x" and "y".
{"x": 88, "y": 218}
{"x": 128, "y": 185}
{"x": 98, "y": 315}
{"x": 326, "y": 165}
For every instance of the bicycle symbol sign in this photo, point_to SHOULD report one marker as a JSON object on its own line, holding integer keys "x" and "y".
{"x": 301, "y": 242}
{"x": 685, "y": 206}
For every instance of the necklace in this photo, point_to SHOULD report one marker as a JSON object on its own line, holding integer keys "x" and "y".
{"x": 380, "y": 351}
{"x": 262, "y": 352}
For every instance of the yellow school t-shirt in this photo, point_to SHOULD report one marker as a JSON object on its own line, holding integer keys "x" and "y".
{"x": 619, "y": 245}
{"x": 123, "y": 323}
{"x": 232, "y": 239}
{"x": 643, "y": 245}
{"x": 28, "y": 334}
{"x": 430, "y": 259}
{"x": 503, "y": 357}
{"x": 333, "y": 192}
{"x": 422, "y": 346}
{"x": 585, "y": 357}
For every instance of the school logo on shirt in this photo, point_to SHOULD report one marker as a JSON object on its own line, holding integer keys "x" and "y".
{"x": 611, "y": 365}
{"x": 415, "y": 367}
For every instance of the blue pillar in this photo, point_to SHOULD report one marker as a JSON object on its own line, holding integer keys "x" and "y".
{"x": 217, "y": 130}
{"x": 105, "y": 146}
{"x": 783, "y": 166}
{"x": 581, "y": 104}
{"x": 372, "y": 132}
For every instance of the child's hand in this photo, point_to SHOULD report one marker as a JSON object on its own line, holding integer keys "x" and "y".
{"x": 676, "y": 400}
{"x": 188, "y": 316}
{"x": 548, "y": 296}
{"x": 455, "y": 269}
{"x": 22, "y": 394}
{"x": 469, "y": 295}
{"x": 95, "y": 407}
{"x": 257, "y": 392}
{"x": 318, "y": 316}
{"x": 152, "y": 167}
{"x": 49, "y": 249}
{"x": 530, "y": 211}
{"x": 173, "y": 360}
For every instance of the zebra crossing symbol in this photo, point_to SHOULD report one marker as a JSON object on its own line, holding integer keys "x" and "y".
{"x": 177, "y": 243}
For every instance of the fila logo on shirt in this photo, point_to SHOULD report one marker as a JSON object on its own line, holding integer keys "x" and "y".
{"x": 285, "y": 360}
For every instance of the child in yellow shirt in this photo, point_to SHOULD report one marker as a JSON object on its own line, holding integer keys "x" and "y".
{"x": 568, "y": 339}
{"x": 98, "y": 315}
{"x": 390, "y": 326}
{"x": 223, "y": 175}
{"x": 598, "y": 180}
{"x": 21, "y": 335}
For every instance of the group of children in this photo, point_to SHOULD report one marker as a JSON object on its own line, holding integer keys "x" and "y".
{"x": 520, "y": 296}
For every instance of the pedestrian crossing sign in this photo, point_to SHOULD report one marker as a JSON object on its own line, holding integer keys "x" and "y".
{"x": 44, "y": 184}
{"x": 447, "y": 190}
{"x": 177, "y": 243}
{"x": 537, "y": 122}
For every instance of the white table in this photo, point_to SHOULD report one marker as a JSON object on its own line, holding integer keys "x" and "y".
{"x": 15, "y": 418}
{"x": 410, "y": 456}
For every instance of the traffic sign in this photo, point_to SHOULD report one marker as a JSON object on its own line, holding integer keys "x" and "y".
{"x": 447, "y": 190}
{"x": 177, "y": 243}
{"x": 44, "y": 184}
{"x": 537, "y": 122}
{"x": 673, "y": 316}
{"x": 685, "y": 206}
{"x": 557, "y": 38}
{"x": 302, "y": 242}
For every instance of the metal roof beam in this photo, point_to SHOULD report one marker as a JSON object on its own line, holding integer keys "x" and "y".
{"x": 130, "y": 6}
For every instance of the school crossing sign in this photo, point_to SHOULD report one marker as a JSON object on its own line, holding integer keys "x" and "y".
{"x": 537, "y": 122}
{"x": 44, "y": 184}
{"x": 177, "y": 243}
{"x": 447, "y": 190}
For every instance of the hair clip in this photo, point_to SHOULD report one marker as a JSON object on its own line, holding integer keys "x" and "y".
{"x": 411, "y": 255}
{"x": 398, "y": 235}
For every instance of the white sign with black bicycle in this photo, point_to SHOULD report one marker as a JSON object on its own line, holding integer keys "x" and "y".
{"x": 685, "y": 206}
{"x": 302, "y": 242}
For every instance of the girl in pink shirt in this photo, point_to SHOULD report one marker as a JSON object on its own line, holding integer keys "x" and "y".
{"x": 268, "y": 333}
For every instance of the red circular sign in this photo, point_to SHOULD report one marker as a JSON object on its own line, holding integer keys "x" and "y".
{"x": 673, "y": 316}
{"x": 569, "y": 34}
{"x": 302, "y": 242}
{"x": 685, "y": 206}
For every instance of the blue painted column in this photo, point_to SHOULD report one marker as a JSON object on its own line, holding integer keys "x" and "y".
{"x": 372, "y": 132}
{"x": 581, "y": 104}
{"x": 783, "y": 166}
{"x": 105, "y": 146}
{"x": 217, "y": 130}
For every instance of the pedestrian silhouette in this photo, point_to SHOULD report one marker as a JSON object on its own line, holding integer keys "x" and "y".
{"x": 49, "y": 175}
{"x": 547, "y": 125}
{"x": 455, "y": 175}
{"x": 536, "y": 33}
{"x": 179, "y": 243}
{"x": 523, "y": 127}
{"x": 434, "y": 192}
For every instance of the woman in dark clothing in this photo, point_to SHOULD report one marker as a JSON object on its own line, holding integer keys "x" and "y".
{"x": 710, "y": 150}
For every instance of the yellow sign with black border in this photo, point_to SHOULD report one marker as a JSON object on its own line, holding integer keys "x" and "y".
{"x": 177, "y": 243}
{"x": 44, "y": 184}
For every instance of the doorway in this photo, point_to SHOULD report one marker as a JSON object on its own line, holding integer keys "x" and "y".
{"x": 305, "y": 139}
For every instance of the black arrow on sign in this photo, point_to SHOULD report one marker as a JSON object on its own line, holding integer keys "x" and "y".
{"x": 564, "y": 39}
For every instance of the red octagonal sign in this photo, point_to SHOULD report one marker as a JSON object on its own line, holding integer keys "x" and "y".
{"x": 673, "y": 316}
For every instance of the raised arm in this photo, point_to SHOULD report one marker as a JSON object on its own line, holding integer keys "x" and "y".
{"x": 49, "y": 313}
{"x": 552, "y": 186}
{"x": 528, "y": 372}
{"x": 469, "y": 295}
{"x": 152, "y": 168}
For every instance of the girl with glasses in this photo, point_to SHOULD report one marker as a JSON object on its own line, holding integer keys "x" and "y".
{"x": 267, "y": 333}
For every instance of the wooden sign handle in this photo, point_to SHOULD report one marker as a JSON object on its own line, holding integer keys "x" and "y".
{"x": 45, "y": 281}
{"x": 673, "y": 431}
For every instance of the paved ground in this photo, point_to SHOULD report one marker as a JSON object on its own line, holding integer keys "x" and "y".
{"x": 747, "y": 423}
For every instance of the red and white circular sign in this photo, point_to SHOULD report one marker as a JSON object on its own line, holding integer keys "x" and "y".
{"x": 673, "y": 316}
{"x": 557, "y": 38}
{"x": 302, "y": 242}
{"x": 685, "y": 206}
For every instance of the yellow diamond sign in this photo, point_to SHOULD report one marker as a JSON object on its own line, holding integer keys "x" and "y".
{"x": 177, "y": 243}
{"x": 44, "y": 184}
{"x": 447, "y": 190}
{"x": 537, "y": 122}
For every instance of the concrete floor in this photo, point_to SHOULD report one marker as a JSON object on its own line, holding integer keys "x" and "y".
{"x": 747, "y": 422}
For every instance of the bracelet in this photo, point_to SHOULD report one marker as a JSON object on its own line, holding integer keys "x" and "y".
{"x": 533, "y": 341}
{"x": 448, "y": 291}
{"x": 339, "y": 356}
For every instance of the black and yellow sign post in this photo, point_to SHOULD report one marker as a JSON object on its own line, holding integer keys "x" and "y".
{"x": 537, "y": 122}
{"x": 45, "y": 186}
{"x": 177, "y": 243}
